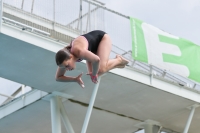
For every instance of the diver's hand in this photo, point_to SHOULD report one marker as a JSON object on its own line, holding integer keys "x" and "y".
{"x": 94, "y": 78}
{"x": 79, "y": 80}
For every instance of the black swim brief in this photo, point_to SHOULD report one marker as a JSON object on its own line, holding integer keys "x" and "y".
{"x": 94, "y": 38}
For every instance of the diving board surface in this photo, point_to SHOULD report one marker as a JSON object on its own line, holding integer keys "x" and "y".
{"x": 35, "y": 66}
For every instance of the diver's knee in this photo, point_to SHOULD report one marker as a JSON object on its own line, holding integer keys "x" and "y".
{"x": 102, "y": 70}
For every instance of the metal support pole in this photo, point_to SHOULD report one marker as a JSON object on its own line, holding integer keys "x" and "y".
{"x": 22, "y": 6}
{"x": 55, "y": 115}
{"x": 88, "y": 19}
{"x": 54, "y": 16}
{"x": 65, "y": 119}
{"x": 151, "y": 74}
{"x": 95, "y": 25}
{"x": 148, "y": 128}
{"x": 22, "y": 93}
{"x": 104, "y": 24}
{"x": 23, "y": 89}
{"x": 189, "y": 120}
{"x": 1, "y": 14}
{"x": 32, "y": 6}
{"x": 89, "y": 111}
{"x": 11, "y": 97}
{"x": 81, "y": 17}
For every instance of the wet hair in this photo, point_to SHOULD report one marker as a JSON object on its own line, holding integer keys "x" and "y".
{"x": 62, "y": 55}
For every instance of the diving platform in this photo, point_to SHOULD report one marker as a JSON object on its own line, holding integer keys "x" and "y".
{"x": 128, "y": 100}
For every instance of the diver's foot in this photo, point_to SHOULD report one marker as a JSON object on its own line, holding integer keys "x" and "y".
{"x": 123, "y": 62}
{"x": 120, "y": 66}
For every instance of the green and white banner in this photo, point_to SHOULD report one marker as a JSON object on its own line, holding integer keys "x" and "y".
{"x": 166, "y": 51}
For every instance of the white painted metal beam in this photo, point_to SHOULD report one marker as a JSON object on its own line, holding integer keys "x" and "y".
{"x": 193, "y": 107}
{"x": 55, "y": 114}
{"x": 6, "y": 96}
{"x": 32, "y": 29}
{"x": 58, "y": 111}
{"x": 21, "y": 102}
{"x": 65, "y": 119}
{"x": 91, "y": 104}
{"x": 80, "y": 19}
{"x": 56, "y": 93}
{"x": 32, "y": 6}
{"x": 136, "y": 75}
{"x": 39, "y": 20}
{"x": 150, "y": 126}
{"x": 47, "y": 43}
{"x": 1, "y": 13}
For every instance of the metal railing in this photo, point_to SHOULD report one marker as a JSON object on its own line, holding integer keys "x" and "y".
{"x": 109, "y": 19}
{"x": 19, "y": 92}
{"x": 1, "y": 13}
{"x": 25, "y": 27}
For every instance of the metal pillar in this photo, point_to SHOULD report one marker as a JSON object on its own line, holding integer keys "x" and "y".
{"x": 150, "y": 126}
{"x": 1, "y": 13}
{"x": 190, "y": 118}
{"x": 54, "y": 11}
{"x": 89, "y": 111}
{"x": 81, "y": 31}
{"x": 55, "y": 115}
{"x": 11, "y": 97}
{"x": 58, "y": 110}
{"x": 151, "y": 74}
{"x": 104, "y": 24}
{"x": 95, "y": 25}
{"x": 22, "y": 6}
{"x": 88, "y": 18}
{"x": 65, "y": 119}
{"x": 23, "y": 89}
{"x": 32, "y": 6}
